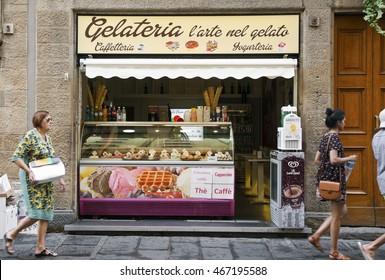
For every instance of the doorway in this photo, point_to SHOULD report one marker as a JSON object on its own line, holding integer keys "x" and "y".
{"x": 359, "y": 90}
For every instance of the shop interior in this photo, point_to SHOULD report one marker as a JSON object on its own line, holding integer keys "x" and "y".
{"x": 254, "y": 108}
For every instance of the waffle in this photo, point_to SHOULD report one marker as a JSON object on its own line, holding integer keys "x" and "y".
{"x": 155, "y": 180}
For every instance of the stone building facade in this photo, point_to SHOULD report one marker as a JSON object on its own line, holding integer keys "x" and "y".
{"x": 39, "y": 71}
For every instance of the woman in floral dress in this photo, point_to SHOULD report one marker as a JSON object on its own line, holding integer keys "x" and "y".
{"x": 332, "y": 164}
{"x": 35, "y": 145}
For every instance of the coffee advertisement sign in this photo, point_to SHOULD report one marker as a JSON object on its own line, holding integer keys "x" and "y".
{"x": 235, "y": 34}
{"x": 293, "y": 169}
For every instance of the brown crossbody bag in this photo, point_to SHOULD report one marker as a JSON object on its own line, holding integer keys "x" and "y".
{"x": 329, "y": 190}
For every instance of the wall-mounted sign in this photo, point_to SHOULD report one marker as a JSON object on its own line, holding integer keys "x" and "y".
{"x": 238, "y": 34}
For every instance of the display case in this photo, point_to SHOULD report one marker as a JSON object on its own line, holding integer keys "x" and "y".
{"x": 156, "y": 169}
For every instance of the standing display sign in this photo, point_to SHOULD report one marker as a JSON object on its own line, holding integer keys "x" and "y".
{"x": 176, "y": 35}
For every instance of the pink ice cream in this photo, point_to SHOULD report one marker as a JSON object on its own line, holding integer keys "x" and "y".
{"x": 122, "y": 182}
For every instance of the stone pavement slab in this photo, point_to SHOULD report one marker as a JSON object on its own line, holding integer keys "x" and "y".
{"x": 127, "y": 247}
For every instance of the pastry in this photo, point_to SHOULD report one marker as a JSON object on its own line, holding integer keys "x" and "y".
{"x": 175, "y": 154}
{"x": 155, "y": 180}
{"x": 128, "y": 155}
{"x": 106, "y": 154}
{"x": 94, "y": 154}
{"x": 164, "y": 154}
{"x": 223, "y": 156}
{"x": 191, "y": 44}
{"x": 137, "y": 156}
{"x": 118, "y": 154}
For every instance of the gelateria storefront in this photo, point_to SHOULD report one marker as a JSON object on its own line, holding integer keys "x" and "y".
{"x": 171, "y": 106}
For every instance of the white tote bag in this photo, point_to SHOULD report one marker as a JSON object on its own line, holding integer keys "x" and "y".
{"x": 47, "y": 170}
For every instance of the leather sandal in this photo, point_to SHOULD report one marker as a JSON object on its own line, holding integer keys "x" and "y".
{"x": 46, "y": 253}
{"x": 315, "y": 242}
{"x": 9, "y": 249}
{"x": 338, "y": 256}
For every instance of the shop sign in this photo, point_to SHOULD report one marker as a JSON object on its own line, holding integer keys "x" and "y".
{"x": 200, "y": 190}
{"x": 176, "y": 35}
{"x": 202, "y": 175}
{"x": 223, "y": 175}
{"x": 223, "y": 191}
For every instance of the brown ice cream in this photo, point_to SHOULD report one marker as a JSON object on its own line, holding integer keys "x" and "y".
{"x": 98, "y": 183}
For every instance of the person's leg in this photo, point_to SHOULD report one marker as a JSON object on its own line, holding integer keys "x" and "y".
{"x": 371, "y": 248}
{"x": 41, "y": 233}
{"x": 11, "y": 235}
{"x": 314, "y": 238}
{"x": 335, "y": 225}
{"x": 324, "y": 227}
{"x": 326, "y": 224}
{"x": 41, "y": 250}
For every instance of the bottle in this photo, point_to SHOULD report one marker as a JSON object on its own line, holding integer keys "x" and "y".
{"x": 223, "y": 88}
{"x": 113, "y": 114}
{"x": 225, "y": 117}
{"x": 124, "y": 114}
{"x": 200, "y": 114}
{"x": 105, "y": 113}
{"x": 88, "y": 113}
{"x": 232, "y": 88}
{"x": 169, "y": 112}
{"x": 193, "y": 114}
{"x": 244, "y": 97}
{"x": 92, "y": 114}
{"x": 119, "y": 114}
{"x": 100, "y": 114}
{"x": 218, "y": 114}
{"x": 145, "y": 89}
{"x": 248, "y": 91}
{"x": 109, "y": 113}
{"x": 161, "y": 88}
{"x": 96, "y": 113}
{"x": 239, "y": 88}
{"x": 187, "y": 116}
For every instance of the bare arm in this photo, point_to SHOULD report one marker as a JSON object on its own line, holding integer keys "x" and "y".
{"x": 317, "y": 159}
{"x": 20, "y": 163}
{"x": 334, "y": 159}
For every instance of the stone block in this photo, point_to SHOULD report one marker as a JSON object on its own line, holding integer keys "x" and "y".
{"x": 53, "y": 67}
{"x": 48, "y": 52}
{"x": 54, "y": 18}
{"x": 51, "y": 35}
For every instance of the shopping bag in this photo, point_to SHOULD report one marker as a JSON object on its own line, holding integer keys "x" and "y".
{"x": 47, "y": 170}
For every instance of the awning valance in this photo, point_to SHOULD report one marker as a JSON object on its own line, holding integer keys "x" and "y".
{"x": 189, "y": 68}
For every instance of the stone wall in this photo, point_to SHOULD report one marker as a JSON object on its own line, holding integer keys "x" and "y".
{"x": 32, "y": 72}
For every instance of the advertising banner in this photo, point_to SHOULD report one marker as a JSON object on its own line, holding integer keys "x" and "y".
{"x": 173, "y": 35}
{"x": 156, "y": 182}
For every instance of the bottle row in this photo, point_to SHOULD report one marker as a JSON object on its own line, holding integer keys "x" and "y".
{"x": 106, "y": 113}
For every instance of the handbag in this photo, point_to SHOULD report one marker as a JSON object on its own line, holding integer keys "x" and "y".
{"x": 47, "y": 170}
{"x": 329, "y": 190}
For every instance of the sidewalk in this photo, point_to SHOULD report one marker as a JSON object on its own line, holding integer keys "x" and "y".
{"x": 135, "y": 247}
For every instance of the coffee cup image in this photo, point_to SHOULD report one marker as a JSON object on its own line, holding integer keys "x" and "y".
{"x": 292, "y": 191}
{"x": 293, "y": 194}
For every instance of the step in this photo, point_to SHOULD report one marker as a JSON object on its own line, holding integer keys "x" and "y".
{"x": 166, "y": 226}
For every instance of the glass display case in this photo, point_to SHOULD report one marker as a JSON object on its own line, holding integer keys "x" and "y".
{"x": 156, "y": 169}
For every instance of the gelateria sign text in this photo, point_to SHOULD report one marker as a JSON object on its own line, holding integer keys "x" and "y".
{"x": 238, "y": 34}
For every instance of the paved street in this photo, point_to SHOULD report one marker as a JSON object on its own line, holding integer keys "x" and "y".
{"x": 127, "y": 247}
